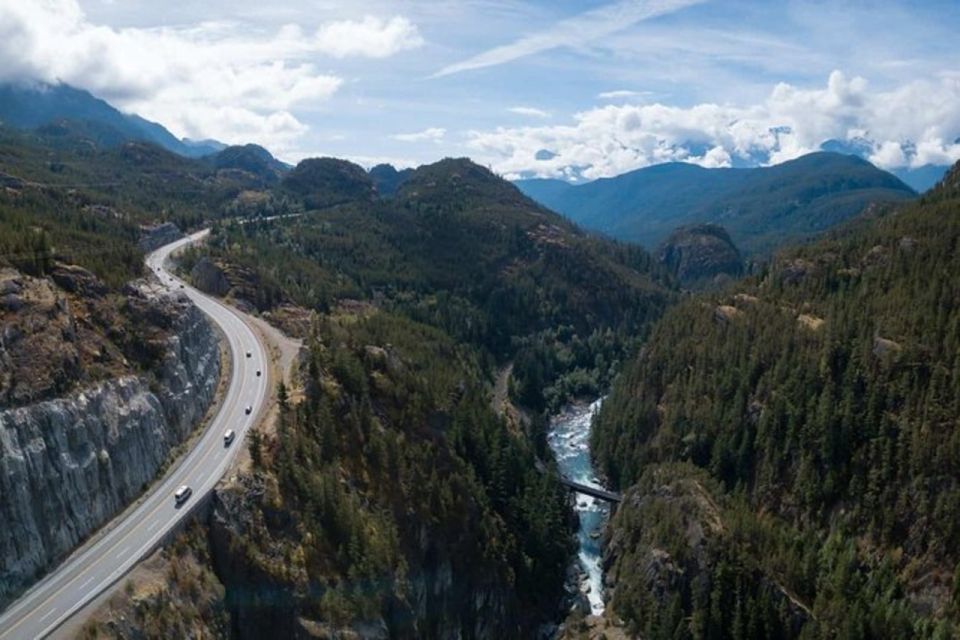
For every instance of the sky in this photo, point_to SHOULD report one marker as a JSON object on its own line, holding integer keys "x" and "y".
{"x": 548, "y": 88}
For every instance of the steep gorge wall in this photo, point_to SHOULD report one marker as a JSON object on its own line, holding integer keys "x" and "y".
{"x": 69, "y": 464}
{"x": 438, "y": 599}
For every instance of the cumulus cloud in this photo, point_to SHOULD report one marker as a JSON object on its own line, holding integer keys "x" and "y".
{"x": 577, "y": 31}
{"x": 208, "y": 80}
{"x": 529, "y": 111}
{"x": 372, "y": 37}
{"x": 910, "y": 126}
{"x": 433, "y": 134}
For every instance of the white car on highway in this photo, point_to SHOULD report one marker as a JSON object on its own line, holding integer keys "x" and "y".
{"x": 181, "y": 494}
{"x": 228, "y": 437}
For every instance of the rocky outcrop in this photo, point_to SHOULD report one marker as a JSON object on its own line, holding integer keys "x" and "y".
{"x": 247, "y": 289}
{"x": 207, "y": 276}
{"x": 701, "y": 255}
{"x": 155, "y": 236}
{"x": 69, "y": 464}
{"x": 670, "y": 540}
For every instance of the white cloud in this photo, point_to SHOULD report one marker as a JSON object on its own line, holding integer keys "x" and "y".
{"x": 577, "y": 31}
{"x": 213, "y": 79}
{"x": 915, "y": 124}
{"x": 372, "y": 37}
{"x": 434, "y": 134}
{"x": 621, "y": 93}
{"x": 398, "y": 162}
{"x": 529, "y": 111}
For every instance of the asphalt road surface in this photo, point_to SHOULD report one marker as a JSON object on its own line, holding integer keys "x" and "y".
{"x": 103, "y": 561}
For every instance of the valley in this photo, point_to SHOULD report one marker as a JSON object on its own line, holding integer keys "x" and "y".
{"x": 479, "y": 320}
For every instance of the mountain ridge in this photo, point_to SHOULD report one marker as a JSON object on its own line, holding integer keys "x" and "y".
{"x": 36, "y": 105}
{"x": 760, "y": 207}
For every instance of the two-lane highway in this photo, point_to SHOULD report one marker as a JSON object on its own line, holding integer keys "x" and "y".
{"x": 100, "y": 563}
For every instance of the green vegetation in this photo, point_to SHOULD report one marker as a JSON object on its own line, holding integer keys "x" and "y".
{"x": 39, "y": 227}
{"x": 820, "y": 396}
{"x": 63, "y": 198}
{"x": 394, "y": 472}
{"x": 461, "y": 250}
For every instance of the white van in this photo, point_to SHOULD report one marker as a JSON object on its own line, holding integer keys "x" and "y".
{"x": 228, "y": 437}
{"x": 182, "y": 494}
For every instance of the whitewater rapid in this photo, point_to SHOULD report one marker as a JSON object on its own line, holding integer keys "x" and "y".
{"x": 569, "y": 438}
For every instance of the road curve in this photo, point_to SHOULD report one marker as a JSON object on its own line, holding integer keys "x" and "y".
{"x": 134, "y": 534}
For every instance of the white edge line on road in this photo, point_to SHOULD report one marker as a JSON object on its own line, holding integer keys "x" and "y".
{"x": 48, "y": 614}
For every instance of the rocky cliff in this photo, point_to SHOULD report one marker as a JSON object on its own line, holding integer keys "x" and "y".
{"x": 70, "y": 463}
{"x": 701, "y": 256}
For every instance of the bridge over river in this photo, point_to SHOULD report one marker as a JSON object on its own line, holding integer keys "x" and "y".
{"x": 594, "y": 492}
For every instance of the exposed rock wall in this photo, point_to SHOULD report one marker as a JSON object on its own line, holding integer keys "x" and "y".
{"x": 69, "y": 464}
{"x": 207, "y": 276}
{"x": 154, "y": 237}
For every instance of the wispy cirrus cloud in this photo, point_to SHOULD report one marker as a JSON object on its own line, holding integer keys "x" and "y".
{"x": 578, "y": 30}
{"x": 618, "y": 94}
{"x": 532, "y": 112}
{"x": 434, "y": 134}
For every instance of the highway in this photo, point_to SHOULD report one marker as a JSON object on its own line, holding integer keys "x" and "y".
{"x": 134, "y": 534}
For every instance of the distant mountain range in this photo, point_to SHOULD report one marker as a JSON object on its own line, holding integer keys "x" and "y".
{"x": 760, "y": 207}
{"x": 39, "y": 105}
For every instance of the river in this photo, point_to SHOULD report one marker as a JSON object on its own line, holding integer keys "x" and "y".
{"x": 569, "y": 438}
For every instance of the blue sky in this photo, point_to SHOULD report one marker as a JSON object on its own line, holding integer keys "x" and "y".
{"x": 564, "y": 89}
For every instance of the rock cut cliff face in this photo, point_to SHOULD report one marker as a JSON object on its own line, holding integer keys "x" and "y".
{"x": 68, "y": 464}
{"x": 155, "y": 236}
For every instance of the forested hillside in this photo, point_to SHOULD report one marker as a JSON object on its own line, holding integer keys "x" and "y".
{"x": 462, "y": 250}
{"x": 392, "y": 495}
{"x": 64, "y": 198}
{"x": 802, "y": 429}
